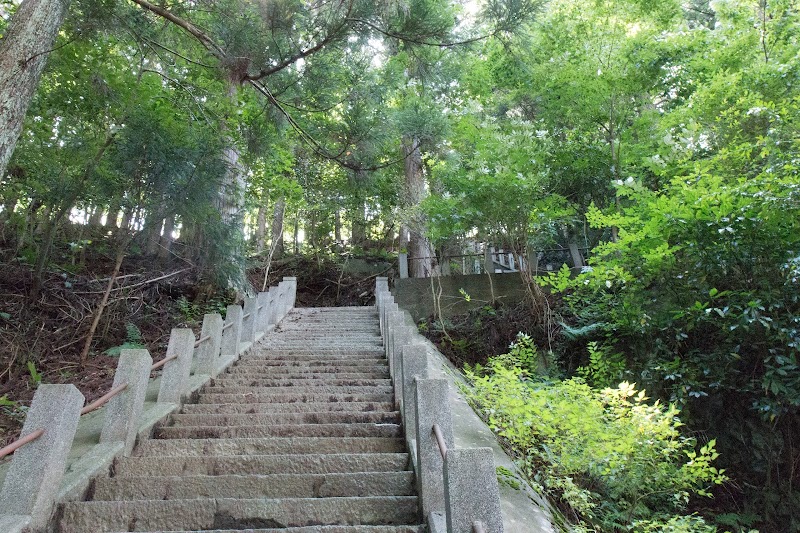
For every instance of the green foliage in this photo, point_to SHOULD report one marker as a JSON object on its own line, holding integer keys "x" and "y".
{"x": 605, "y": 368}
{"x": 35, "y": 376}
{"x": 133, "y": 341}
{"x": 612, "y": 458}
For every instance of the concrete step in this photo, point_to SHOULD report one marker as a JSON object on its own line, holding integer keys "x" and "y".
{"x": 295, "y": 397}
{"x": 288, "y": 430}
{"x": 295, "y": 383}
{"x": 312, "y": 358}
{"x": 244, "y": 392}
{"x": 256, "y": 486}
{"x": 278, "y": 372}
{"x": 269, "y": 446}
{"x": 323, "y": 529}
{"x": 263, "y": 464}
{"x": 204, "y": 514}
{"x": 268, "y": 408}
{"x": 178, "y": 420}
{"x": 254, "y": 408}
{"x": 311, "y": 363}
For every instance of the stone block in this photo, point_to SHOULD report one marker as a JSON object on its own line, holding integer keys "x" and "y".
{"x": 207, "y": 353}
{"x": 262, "y": 319}
{"x": 432, "y": 407}
{"x": 36, "y": 470}
{"x": 123, "y": 410}
{"x": 471, "y": 490}
{"x": 232, "y": 331}
{"x": 414, "y": 365}
{"x": 175, "y": 376}
{"x": 249, "y": 320}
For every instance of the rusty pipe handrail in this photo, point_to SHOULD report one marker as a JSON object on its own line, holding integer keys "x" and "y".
{"x": 19, "y": 443}
{"x": 437, "y": 432}
{"x": 163, "y": 362}
{"x": 226, "y": 326}
{"x": 201, "y": 340}
{"x": 477, "y": 527}
{"x": 247, "y": 316}
{"x": 103, "y": 399}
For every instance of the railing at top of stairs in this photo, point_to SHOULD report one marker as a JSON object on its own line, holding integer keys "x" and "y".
{"x": 31, "y": 485}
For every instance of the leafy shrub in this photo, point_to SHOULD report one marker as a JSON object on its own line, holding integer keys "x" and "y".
{"x": 611, "y": 457}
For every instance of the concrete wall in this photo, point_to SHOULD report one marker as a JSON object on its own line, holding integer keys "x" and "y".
{"x": 416, "y": 294}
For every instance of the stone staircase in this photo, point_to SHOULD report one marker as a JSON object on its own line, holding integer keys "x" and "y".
{"x": 300, "y": 435}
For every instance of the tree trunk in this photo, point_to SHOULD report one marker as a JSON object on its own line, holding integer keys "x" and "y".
{"x": 358, "y": 234}
{"x": 261, "y": 229}
{"x": 166, "y": 238}
{"x": 23, "y": 54}
{"x": 420, "y": 251}
{"x": 337, "y": 227}
{"x": 151, "y": 233}
{"x": 96, "y": 218}
{"x": 296, "y": 247}
{"x": 277, "y": 226}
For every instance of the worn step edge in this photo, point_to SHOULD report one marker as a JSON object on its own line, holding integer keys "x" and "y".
{"x": 204, "y": 514}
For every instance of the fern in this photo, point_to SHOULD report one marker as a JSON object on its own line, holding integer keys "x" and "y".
{"x": 133, "y": 341}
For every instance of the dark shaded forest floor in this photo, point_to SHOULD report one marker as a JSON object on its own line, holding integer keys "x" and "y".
{"x": 41, "y": 341}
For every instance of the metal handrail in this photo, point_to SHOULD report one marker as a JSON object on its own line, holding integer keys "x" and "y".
{"x": 226, "y": 326}
{"x": 246, "y": 316}
{"x": 19, "y": 443}
{"x": 437, "y": 432}
{"x": 103, "y": 399}
{"x": 163, "y": 362}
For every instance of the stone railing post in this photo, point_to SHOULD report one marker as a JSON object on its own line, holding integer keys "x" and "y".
{"x": 432, "y": 407}
{"x": 414, "y": 365}
{"x": 262, "y": 317}
{"x": 34, "y": 476}
{"x": 403, "y": 337}
{"x": 471, "y": 490}
{"x": 207, "y": 353}
{"x": 175, "y": 377}
{"x": 402, "y": 260}
{"x": 292, "y": 292}
{"x": 232, "y": 331}
{"x": 249, "y": 320}
{"x": 123, "y": 410}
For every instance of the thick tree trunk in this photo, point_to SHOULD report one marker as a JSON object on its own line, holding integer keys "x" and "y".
{"x": 420, "y": 251}
{"x": 277, "y": 227}
{"x": 261, "y": 228}
{"x": 23, "y": 54}
{"x": 358, "y": 235}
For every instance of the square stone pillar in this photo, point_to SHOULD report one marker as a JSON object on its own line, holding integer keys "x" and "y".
{"x": 432, "y": 407}
{"x": 414, "y": 365}
{"x": 206, "y": 354}
{"x": 402, "y": 260}
{"x": 232, "y": 331}
{"x": 124, "y": 409}
{"x": 249, "y": 320}
{"x": 34, "y": 476}
{"x": 262, "y": 310}
{"x": 175, "y": 376}
{"x": 471, "y": 490}
{"x": 291, "y": 297}
{"x": 403, "y": 337}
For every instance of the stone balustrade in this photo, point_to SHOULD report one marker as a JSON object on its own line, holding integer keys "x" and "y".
{"x": 457, "y": 487}
{"x": 31, "y": 487}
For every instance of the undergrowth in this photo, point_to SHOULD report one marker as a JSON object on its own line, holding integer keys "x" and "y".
{"x": 611, "y": 459}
